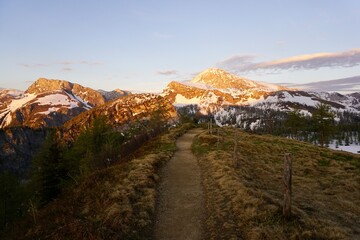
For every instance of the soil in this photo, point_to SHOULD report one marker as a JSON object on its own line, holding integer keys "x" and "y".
{"x": 180, "y": 208}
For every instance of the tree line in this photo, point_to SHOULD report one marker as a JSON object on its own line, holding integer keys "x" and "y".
{"x": 318, "y": 125}
{"x": 58, "y": 166}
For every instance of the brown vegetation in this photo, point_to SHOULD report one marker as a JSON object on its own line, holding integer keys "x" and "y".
{"x": 244, "y": 198}
{"x": 114, "y": 203}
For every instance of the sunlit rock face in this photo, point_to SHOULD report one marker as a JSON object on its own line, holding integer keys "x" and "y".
{"x": 122, "y": 111}
{"x": 214, "y": 89}
{"x": 50, "y": 103}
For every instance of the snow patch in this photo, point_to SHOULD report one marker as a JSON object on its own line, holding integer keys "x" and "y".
{"x": 58, "y": 99}
{"x": 18, "y": 103}
{"x": 255, "y": 124}
{"x": 181, "y": 100}
{"x": 352, "y": 148}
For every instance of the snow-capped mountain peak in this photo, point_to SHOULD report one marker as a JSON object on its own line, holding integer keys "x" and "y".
{"x": 214, "y": 88}
{"x": 220, "y": 79}
{"x": 49, "y": 102}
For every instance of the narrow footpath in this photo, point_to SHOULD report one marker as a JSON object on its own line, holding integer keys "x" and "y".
{"x": 180, "y": 208}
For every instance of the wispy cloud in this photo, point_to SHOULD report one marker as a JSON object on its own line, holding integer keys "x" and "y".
{"x": 237, "y": 63}
{"x": 243, "y": 64}
{"x": 343, "y": 85}
{"x": 34, "y": 65}
{"x": 167, "y": 72}
{"x": 62, "y": 63}
{"x": 67, "y": 69}
{"x": 90, "y": 63}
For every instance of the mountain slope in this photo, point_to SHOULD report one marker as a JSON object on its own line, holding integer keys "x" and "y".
{"x": 47, "y": 109}
{"x": 111, "y": 95}
{"x": 325, "y": 199}
{"x": 215, "y": 88}
{"x": 88, "y": 95}
{"x": 117, "y": 202}
{"x": 50, "y": 103}
{"x": 220, "y": 79}
{"x": 120, "y": 112}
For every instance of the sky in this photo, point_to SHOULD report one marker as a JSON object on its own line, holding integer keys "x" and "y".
{"x": 143, "y": 45}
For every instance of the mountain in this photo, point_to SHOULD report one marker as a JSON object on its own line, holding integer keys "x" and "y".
{"x": 215, "y": 88}
{"x": 87, "y": 95}
{"x": 8, "y": 95}
{"x": 121, "y": 113}
{"x": 19, "y": 144}
{"x": 220, "y": 79}
{"x": 111, "y": 95}
{"x": 50, "y": 103}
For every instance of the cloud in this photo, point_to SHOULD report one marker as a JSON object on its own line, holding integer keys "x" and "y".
{"x": 243, "y": 64}
{"x": 343, "y": 85}
{"x": 237, "y": 63}
{"x": 167, "y": 72}
{"x": 34, "y": 65}
{"x": 90, "y": 63}
{"x": 64, "y": 63}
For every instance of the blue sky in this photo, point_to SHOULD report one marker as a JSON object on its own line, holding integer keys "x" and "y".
{"x": 143, "y": 45}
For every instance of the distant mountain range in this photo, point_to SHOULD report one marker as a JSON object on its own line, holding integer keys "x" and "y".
{"x": 26, "y": 116}
{"x": 51, "y": 103}
{"x": 214, "y": 88}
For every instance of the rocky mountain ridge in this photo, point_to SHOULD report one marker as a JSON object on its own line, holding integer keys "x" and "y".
{"x": 19, "y": 144}
{"x": 121, "y": 112}
{"x": 50, "y": 103}
{"x": 215, "y": 88}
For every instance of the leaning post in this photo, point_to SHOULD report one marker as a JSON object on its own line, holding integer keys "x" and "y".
{"x": 287, "y": 185}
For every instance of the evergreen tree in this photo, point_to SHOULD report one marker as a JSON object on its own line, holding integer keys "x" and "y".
{"x": 11, "y": 199}
{"x": 323, "y": 120}
{"x": 94, "y": 148}
{"x": 294, "y": 122}
{"x": 48, "y": 170}
{"x": 347, "y": 140}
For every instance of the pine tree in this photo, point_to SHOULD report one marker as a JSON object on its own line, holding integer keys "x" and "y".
{"x": 93, "y": 148}
{"x": 347, "y": 140}
{"x": 48, "y": 170}
{"x": 11, "y": 199}
{"x": 295, "y": 122}
{"x": 323, "y": 120}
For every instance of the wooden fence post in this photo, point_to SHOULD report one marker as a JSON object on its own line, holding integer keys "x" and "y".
{"x": 235, "y": 157}
{"x": 287, "y": 185}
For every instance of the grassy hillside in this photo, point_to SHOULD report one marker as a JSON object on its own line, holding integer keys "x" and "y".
{"x": 114, "y": 203}
{"x": 244, "y": 198}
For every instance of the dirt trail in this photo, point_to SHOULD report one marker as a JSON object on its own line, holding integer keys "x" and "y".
{"x": 180, "y": 207}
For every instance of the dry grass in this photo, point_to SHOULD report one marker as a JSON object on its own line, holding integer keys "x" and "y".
{"x": 244, "y": 199}
{"x": 114, "y": 203}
